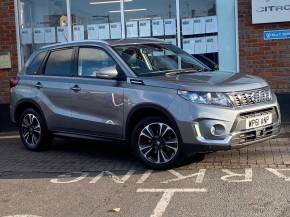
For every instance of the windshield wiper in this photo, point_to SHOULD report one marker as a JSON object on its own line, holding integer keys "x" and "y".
{"x": 183, "y": 71}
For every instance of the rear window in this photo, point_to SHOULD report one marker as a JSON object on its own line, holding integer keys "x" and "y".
{"x": 59, "y": 63}
{"x": 34, "y": 66}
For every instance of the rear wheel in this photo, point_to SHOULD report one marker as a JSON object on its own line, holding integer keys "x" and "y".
{"x": 156, "y": 143}
{"x": 33, "y": 131}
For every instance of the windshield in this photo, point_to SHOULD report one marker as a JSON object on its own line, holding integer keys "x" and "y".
{"x": 156, "y": 59}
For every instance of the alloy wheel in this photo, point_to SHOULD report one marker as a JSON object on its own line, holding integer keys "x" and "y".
{"x": 31, "y": 130}
{"x": 158, "y": 143}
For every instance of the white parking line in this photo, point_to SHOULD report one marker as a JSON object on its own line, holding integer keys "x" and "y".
{"x": 180, "y": 190}
{"x": 144, "y": 177}
{"x": 199, "y": 176}
{"x": 10, "y": 137}
{"x": 279, "y": 174}
{"x": 22, "y": 216}
{"x": 166, "y": 197}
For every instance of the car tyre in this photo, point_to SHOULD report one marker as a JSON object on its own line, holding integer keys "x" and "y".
{"x": 156, "y": 142}
{"x": 33, "y": 131}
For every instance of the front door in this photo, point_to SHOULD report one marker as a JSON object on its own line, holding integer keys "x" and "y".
{"x": 98, "y": 104}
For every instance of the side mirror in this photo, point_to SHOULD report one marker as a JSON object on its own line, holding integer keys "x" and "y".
{"x": 107, "y": 73}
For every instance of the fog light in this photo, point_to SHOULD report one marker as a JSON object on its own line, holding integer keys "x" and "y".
{"x": 218, "y": 130}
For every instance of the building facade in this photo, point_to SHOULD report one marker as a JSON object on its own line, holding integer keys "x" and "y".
{"x": 224, "y": 32}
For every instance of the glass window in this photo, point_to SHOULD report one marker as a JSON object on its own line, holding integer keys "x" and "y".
{"x": 41, "y": 23}
{"x": 33, "y": 68}
{"x": 96, "y": 19}
{"x": 156, "y": 59}
{"x": 92, "y": 61}
{"x": 151, "y": 18}
{"x": 199, "y": 30}
{"x": 59, "y": 63}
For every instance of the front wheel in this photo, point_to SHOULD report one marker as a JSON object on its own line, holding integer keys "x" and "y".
{"x": 156, "y": 143}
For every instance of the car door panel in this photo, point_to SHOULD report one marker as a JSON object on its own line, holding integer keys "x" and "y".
{"x": 99, "y": 107}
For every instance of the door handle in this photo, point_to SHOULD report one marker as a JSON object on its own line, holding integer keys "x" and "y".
{"x": 76, "y": 88}
{"x": 38, "y": 85}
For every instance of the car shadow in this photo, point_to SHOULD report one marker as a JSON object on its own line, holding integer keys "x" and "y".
{"x": 70, "y": 156}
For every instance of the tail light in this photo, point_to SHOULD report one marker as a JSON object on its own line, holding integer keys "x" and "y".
{"x": 14, "y": 81}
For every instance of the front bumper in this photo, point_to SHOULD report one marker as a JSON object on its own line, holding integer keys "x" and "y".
{"x": 196, "y": 134}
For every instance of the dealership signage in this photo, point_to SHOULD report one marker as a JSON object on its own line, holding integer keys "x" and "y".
{"x": 277, "y": 34}
{"x": 270, "y": 11}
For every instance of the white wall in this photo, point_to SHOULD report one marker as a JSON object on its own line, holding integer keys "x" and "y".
{"x": 227, "y": 35}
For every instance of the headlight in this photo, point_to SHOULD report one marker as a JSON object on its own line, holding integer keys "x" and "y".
{"x": 219, "y": 99}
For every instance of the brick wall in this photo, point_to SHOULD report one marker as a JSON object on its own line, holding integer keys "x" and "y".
{"x": 269, "y": 59}
{"x": 7, "y": 43}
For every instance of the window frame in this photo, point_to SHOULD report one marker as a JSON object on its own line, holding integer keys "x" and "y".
{"x": 32, "y": 59}
{"x": 72, "y": 62}
{"x": 121, "y": 75}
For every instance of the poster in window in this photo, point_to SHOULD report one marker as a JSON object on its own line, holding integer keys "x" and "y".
{"x": 199, "y": 25}
{"x": 145, "y": 28}
{"x": 104, "y": 31}
{"x": 211, "y": 44}
{"x": 116, "y": 30}
{"x": 170, "y": 26}
{"x": 211, "y": 24}
{"x": 187, "y": 26}
{"x": 78, "y": 32}
{"x": 62, "y": 34}
{"x": 188, "y": 45}
{"x": 132, "y": 29}
{"x": 26, "y": 36}
{"x": 158, "y": 27}
{"x": 200, "y": 45}
{"x": 49, "y": 35}
{"x": 5, "y": 60}
{"x": 92, "y": 31}
{"x": 38, "y": 35}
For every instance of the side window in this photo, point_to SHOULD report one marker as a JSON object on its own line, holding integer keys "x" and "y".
{"x": 33, "y": 68}
{"x": 60, "y": 63}
{"x": 92, "y": 61}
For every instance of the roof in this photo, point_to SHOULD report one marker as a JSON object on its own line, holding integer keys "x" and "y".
{"x": 107, "y": 42}
{"x": 134, "y": 41}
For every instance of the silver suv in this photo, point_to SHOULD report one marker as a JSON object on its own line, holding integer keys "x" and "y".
{"x": 163, "y": 101}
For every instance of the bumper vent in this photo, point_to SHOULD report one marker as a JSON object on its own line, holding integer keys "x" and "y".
{"x": 252, "y": 97}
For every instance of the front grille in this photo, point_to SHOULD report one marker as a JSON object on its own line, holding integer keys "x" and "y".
{"x": 243, "y": 136}
{"x": 252, "y": 97}
{"x": 257, "y": 113}
{"x": 256, "y": 134}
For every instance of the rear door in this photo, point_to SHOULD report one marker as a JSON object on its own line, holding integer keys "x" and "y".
{"x": 98, "y": 104}
{"x": 54, "y": 94}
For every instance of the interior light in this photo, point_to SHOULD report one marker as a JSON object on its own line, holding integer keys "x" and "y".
{"x": 145, "y": 18}
{"x": 130, "y": 10}
{"x": 108, "y": 2}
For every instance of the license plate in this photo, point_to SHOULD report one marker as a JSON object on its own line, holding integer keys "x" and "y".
{"x": 259, "y": 121}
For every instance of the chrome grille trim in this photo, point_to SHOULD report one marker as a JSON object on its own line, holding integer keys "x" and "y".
{"x": 257, "y": 113}
{"x": 251, "y": 97}
{"x": 256, "y": 135}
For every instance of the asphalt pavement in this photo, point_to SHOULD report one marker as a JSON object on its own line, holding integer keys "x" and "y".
{"x": 87, "y": 178}
{"x": 216, "y": 193}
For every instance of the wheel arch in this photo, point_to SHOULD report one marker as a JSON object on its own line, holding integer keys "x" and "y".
{"x": 24, "y": 104}
{"x": 144, "y": 110}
